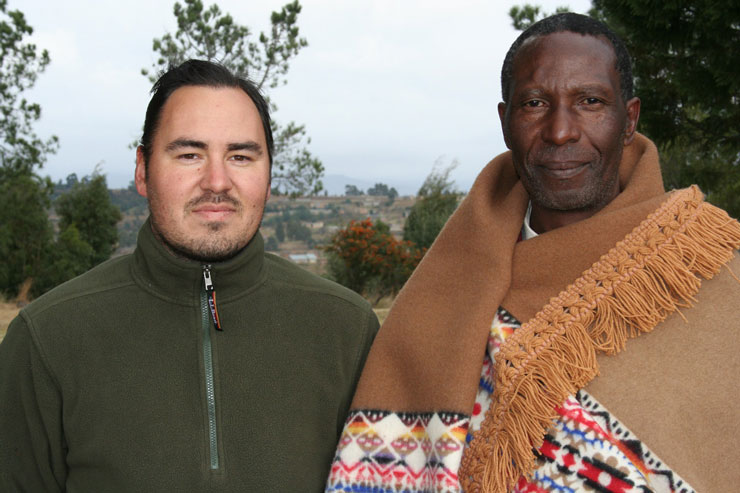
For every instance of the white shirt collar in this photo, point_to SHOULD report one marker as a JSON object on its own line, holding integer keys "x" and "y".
{"x": 527, "y": 231}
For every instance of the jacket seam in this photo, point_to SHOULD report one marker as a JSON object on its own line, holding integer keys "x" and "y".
{"x": 80, "y": 294}
{"x": 320, "y": 290}
{"x": 36, "y": 340}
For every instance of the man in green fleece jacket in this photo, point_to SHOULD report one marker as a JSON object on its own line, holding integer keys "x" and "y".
{"x": 197, "y": 363}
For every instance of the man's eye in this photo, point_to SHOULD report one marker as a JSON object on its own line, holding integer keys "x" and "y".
{"x": 188, "y": 156}
{"x": 534, "y": 103}
{"x": 592, "y": 101}
{"x": 240, "y": 158}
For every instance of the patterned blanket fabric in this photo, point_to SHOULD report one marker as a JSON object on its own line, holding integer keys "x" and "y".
{"x": 587, "y": 449}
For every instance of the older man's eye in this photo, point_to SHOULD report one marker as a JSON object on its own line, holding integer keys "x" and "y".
{"x": 533, "y": 103}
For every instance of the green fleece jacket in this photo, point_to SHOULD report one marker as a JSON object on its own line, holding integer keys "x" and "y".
{"x": 119, "y": 381}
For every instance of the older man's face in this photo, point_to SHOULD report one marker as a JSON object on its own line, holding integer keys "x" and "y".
{"x": 208, "y": 175}
{"x": 566, "y": 123}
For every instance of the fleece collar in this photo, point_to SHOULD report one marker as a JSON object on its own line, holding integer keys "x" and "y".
{"x": 180, "y": 280}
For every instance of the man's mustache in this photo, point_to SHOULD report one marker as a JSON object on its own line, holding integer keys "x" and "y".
{"x": 213, "y": 198}
{"x": 559, "y": 154}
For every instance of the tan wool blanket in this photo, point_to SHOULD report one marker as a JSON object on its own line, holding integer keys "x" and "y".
{"x": 582, "y": 290}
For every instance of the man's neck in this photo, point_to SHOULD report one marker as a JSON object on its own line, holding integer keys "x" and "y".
{"x": 543, "y": 220}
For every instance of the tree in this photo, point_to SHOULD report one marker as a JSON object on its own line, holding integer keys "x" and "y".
{"x": 436, "y": 201}
{"x": 20, "y": 66}
{"x": 271, "y": 245}
{"x": 366, "y": 258}
{"x": 298, "y": 231}
{"x": 685, "y": 57}
{"x": 280, "y": 231}
{"x": 382, "y": 190}
{"x": 378, "y": 189}
{"x": 25, "y": 230}
{"x": 526, "y": 15}
{"x": 298, "y": 171}
{"x": 210, "y": 34}
{"x": 87, "y": 233}
{"x": 88, "y": 208}
{"x": 68, "y": 257}
{"x": 352, "y": 191}
{"x": 24, "y": 196}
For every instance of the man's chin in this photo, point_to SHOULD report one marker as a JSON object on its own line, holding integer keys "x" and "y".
{"x": 215, "y": 226}
{"x": 565, "y": 200}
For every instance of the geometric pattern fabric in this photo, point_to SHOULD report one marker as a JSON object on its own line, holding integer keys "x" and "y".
{"x": 382, "y": 451}
{"x": 587, "y": 449}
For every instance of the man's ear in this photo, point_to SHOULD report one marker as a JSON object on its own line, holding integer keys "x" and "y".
{"x": 633, "y": 115}
{"x": 502, "y": 117}
{"x": 140, "y": 173}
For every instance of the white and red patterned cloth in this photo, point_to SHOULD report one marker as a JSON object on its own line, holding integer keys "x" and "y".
{"x": 587, "y": 449}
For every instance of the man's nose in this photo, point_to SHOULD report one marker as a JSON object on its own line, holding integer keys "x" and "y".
{"x": 215, "y": 177}
{"x": 561, "y": 126}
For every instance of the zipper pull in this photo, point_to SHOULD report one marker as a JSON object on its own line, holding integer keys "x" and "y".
{"x": 211, "y": 295}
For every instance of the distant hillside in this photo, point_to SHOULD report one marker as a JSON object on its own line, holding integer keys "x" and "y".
{"x": 334, "y": 185}
{"x": 135, "y": 211}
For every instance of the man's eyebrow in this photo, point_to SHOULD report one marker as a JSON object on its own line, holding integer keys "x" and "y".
{"x": 180, "y": 143}
{"x": 249, "y": 145}
{"x": 593, "y": 87}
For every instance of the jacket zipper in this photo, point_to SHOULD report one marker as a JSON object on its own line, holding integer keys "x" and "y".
{"x": 211, "y": 296}
{"x": 208, "y": 307}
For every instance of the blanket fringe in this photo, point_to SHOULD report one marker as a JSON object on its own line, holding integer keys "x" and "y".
{"x": 653, "y": 272}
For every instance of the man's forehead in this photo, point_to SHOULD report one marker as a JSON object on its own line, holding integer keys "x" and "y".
{"x": 223, "y": 112}
{"x": 195, "y": 97}
{"x": 565, "y": 42}
{"x": 567, "y": 57}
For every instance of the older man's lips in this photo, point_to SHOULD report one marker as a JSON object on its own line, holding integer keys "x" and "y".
{"x": 562, "y": 170}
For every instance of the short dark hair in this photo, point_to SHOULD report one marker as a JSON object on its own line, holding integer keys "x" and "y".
{"x": 199, "y": 73}
{"x": 575, "y": 23}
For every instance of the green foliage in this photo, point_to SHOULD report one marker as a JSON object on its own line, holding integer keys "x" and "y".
{"x": 297, "y": 231}
{"x": 526, "y": 15}
{"x": 30, "y": 252}
{"x": 295, "y": 171}
{"x": 88, "y": 208}
{"x": 437, "y": 200}
{"x": 366, "y": 258}
{"x": 25, "y": 230}
{"x": 210, "y": 34}
{"x": 129, "y": 201}
{"x": 68, "y": 257}
{"x": 271, "y": 245}
{"x": 280, "y": 232}
{"x": 20, "y": 64}
{"x": 381, "y": 189}
{"x": 135, "y": 210}
{"x": 302, "y": 213}
{"x": 686, "y": 57}
{"x": 352, "y": 191}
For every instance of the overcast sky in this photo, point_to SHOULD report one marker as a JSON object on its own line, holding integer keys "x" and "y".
{"x": 385, "y": 88}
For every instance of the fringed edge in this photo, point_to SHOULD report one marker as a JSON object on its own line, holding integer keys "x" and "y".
{"x": 652, "y": 273}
